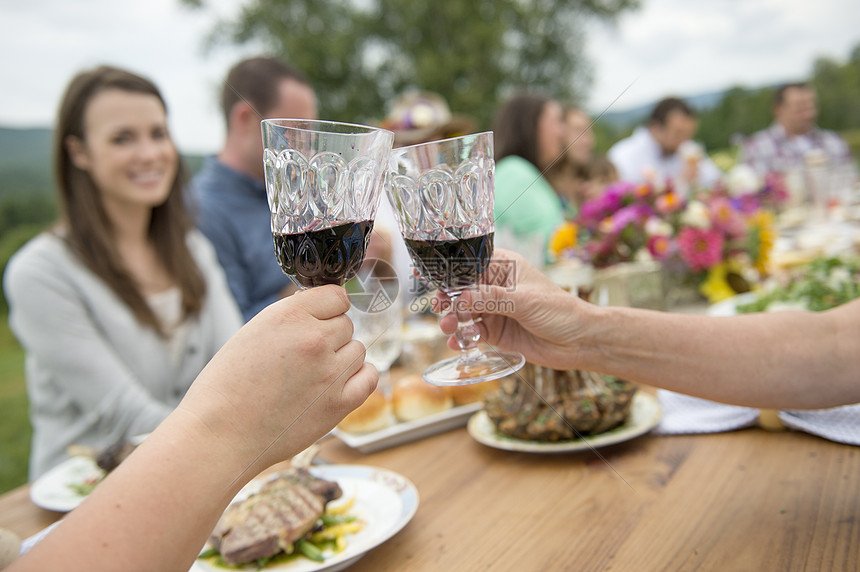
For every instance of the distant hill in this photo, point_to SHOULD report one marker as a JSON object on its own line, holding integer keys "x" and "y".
{"x": 25, "y": 161}
{"x": 628, "y": 118}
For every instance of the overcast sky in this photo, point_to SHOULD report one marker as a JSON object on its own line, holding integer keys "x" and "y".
{"x": 678, "y": 47}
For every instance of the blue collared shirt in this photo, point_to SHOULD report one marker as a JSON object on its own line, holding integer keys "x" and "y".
{"x": 232, "y": 210}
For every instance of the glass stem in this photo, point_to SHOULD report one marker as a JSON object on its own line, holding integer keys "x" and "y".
{"x": 467, "y": 333}
{"x": 384, "y": 384}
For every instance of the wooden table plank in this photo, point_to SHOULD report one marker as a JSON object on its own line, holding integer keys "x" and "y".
{"x": 21, "y": 516}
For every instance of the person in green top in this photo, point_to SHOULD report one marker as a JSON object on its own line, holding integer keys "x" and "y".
{"x": 529, "y": 137}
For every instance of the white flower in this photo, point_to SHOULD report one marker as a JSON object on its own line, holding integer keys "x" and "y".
{"x": 691, "y": 151}
{"x": 742, "y": 179}
{"x": 696, "y": 215}
{"x": 838, "y": 277}
{"x": 657, "y": 227}
{"x": 643, "y": 255}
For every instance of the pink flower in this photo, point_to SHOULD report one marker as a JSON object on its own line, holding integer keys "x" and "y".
{"x": 659, "y": 247}
{"x": 700, "y": 249}
{"x": 634, "y": 214}
{"x": 724, "y": 217}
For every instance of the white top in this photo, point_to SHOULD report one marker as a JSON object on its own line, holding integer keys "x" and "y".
{"x": 167, "y": 306}
{"x": 94, "y": 374}
{"x": 640, "y": 159}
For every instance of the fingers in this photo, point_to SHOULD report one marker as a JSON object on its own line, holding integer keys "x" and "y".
{"x": 338, "y": 330}
{"x": 359, "y": 387}
{"x": 487, "y": 300}
{"x": 349, "y": 359}
{"x": 323, "y": 302}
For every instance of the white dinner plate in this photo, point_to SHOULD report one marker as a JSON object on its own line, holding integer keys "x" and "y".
{"x": 398, "y": 433}
{"x": 52, "y": 491}
{"x": 384, "y": 500}
{"x": 645, "y": 414}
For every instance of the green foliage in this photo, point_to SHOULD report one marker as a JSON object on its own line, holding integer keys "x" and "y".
{"x": 852, "y": 137}
{"x": 740, "y": 111}
{"x": 359, "y": 55}
{"x": 838, "y": 89}
{"x": 15, "y": 432}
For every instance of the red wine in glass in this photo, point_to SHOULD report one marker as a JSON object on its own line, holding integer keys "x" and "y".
{"x": 325, "y": 256}
{"x": 452, "y": 265}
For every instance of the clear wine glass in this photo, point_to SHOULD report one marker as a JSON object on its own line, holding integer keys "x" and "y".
{"x": 442, "y": 193}
{"x": 377, "y": 313}
{"x": 323, "y": 182}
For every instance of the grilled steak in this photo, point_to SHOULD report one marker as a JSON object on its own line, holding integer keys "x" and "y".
{"x": 110, "y": 458}
{"x": 285, "y": 509}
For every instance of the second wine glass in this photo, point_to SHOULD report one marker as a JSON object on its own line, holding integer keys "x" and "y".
{"x": 442, "y": 193}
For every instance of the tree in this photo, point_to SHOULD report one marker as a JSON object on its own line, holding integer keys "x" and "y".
{"x": 838, "y": 89}
{"x": 739, "y": 111}
{"x": 361, "y": 54}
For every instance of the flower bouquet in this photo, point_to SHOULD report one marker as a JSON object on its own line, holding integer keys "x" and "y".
{"x": 717, "y": 239}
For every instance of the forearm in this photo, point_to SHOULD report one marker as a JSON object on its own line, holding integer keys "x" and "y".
{"x": 122, "y": 524}
{"x": 777, "y": 360}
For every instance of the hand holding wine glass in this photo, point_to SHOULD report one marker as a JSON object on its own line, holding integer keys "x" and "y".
{"x": 442, "y": 194}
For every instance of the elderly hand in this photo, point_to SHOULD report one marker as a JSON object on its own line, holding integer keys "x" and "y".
{"x": 520, "y": 309}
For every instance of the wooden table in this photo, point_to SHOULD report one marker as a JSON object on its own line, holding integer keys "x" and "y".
{"x": 746, "y": 500}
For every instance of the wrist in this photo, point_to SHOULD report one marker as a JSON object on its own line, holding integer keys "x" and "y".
{"x": 593, "y": 337}
{"x": 212, "y": 435}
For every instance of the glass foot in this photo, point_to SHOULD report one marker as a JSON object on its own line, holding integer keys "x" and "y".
{"x": 490, "y": 366}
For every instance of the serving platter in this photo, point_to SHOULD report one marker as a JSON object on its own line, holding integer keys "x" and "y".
{"x": 645, "y": 413}
{"x": 399, "y": 433}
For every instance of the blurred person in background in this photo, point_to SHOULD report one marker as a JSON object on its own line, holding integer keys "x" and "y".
{"x": 571, "y": 174}
{"x": 663, "y": 150}
{"x": 529, "y": 138}
{"x": 229, "y": 192}
{"x": 601, "y": 174}
{"x": 422, "y": 116}
{"x": 793, "y": 136}
{"x": 415, "y": 117}
{"x": 122, "y": 302}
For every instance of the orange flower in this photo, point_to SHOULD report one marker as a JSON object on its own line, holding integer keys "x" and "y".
{"x": 668, "y": 202}
{"x": 642, "y": 191}
{"x": 563, "y": 238}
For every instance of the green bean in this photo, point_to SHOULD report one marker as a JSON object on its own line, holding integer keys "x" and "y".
{"x": 309, "y": 550}
{"x": 334, "y": 519}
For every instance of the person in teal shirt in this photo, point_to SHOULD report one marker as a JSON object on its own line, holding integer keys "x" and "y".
{"x": 529, "y": 137}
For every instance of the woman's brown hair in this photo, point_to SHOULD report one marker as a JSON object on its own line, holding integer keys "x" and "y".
{"x": 88, "y": 230}
{"x": 515, "y": 127}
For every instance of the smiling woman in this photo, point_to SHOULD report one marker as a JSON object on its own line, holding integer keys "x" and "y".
{"x": 122, "y": 302}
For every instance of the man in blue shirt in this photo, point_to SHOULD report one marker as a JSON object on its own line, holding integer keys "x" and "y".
{"x": 229, "y": 193}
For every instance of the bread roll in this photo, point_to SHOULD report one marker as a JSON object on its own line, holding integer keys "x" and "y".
{"x": 372, "y": 415}
{"x": 465, "y": 394}
{"x": 412, "y": 398}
